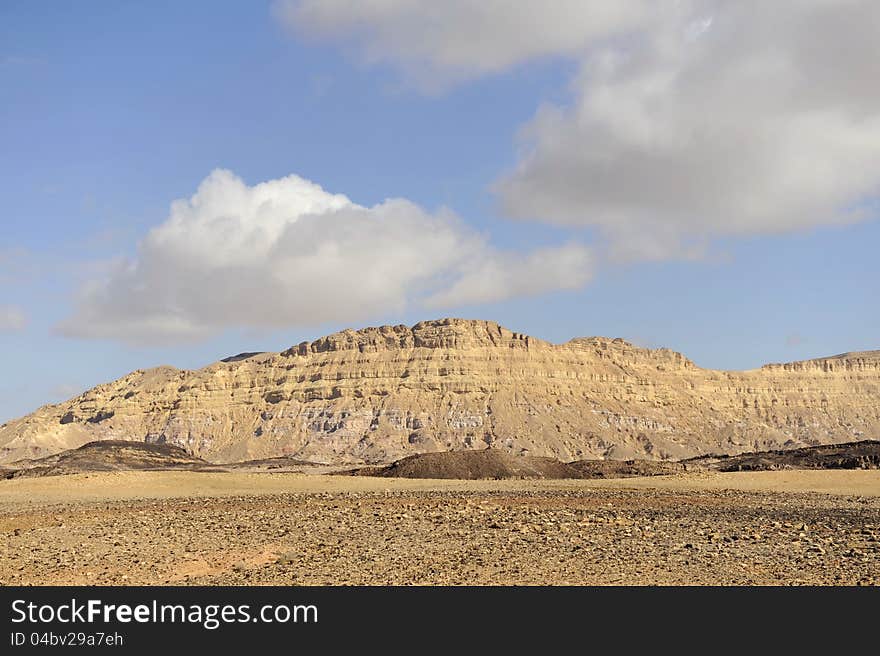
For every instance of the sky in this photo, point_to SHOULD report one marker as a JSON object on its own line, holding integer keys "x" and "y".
{"x": 180, "y": 182}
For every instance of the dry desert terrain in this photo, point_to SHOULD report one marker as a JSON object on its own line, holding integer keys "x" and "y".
{"x": 150, "y": 527}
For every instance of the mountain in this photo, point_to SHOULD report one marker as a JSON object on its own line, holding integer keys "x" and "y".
{"x": 379, "y": 394}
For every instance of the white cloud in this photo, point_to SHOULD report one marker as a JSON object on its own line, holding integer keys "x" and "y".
{"x": 285, "y": 252}
{"x": 744, "y": 126}
{"x": 12, "y": 319}
{"x": 690, "y": 119}
{"x": 439, "y": 42}
{"x": 492, "y": 278}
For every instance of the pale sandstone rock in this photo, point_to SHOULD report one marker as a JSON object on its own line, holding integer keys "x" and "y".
{"x": 378, "y": 394}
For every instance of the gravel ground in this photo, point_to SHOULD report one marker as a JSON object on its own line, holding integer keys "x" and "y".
{"x": 483, "y": 537}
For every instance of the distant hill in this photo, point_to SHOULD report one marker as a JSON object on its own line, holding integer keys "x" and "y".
{"x": 113, "y": 455}
{"x": 472, "y": 465}
{"x": 108, "y": 455}
{"x": 492, "y": 464}
{"x": 377, "y": 395}
{"x": 855, "y": 455}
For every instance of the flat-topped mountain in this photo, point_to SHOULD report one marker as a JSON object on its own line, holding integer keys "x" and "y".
{"x": 379, "y": 394}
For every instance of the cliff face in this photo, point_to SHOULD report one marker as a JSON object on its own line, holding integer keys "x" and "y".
{"x": 378, "y": 394}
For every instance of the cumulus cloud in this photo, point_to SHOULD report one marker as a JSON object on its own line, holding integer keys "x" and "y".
{"x": 12, "y": 319}
{"x": 440, "y": 42}
{"x": 689, "y": 120}
{"x": 489, "y": 279}
{"x": 287, "y": 253}
{"x": 744, "y": 126}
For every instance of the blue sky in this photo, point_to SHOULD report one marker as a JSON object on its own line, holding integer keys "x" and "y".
{"x": 112, "y": 110}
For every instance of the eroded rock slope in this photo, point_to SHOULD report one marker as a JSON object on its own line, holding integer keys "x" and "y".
{"x": 379, "y": 394}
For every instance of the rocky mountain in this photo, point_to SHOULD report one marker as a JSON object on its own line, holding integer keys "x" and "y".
{"x": 380, "y": 394}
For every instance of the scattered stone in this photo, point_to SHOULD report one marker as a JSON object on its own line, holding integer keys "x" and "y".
{"x": 527, "y": 535}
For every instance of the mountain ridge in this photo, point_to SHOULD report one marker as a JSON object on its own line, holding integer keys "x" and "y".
{"x": 381, "y": 393}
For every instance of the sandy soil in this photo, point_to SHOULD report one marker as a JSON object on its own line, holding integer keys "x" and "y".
{"x": 790, "y": 527}
{"x": 163, "y": 485}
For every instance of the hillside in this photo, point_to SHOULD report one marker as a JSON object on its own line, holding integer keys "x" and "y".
{"x": 380, "y": 394}
{"x": 108, "y": 455}
{"x": 472, "y": 465}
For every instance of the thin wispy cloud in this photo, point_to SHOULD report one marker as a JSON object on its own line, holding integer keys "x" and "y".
{"x": 20, "y": 61}
{"x": 436, "y": 44}
{"x": 13, "y": 319}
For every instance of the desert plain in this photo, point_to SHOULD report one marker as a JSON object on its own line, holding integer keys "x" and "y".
{"x": 793, "y": 527}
